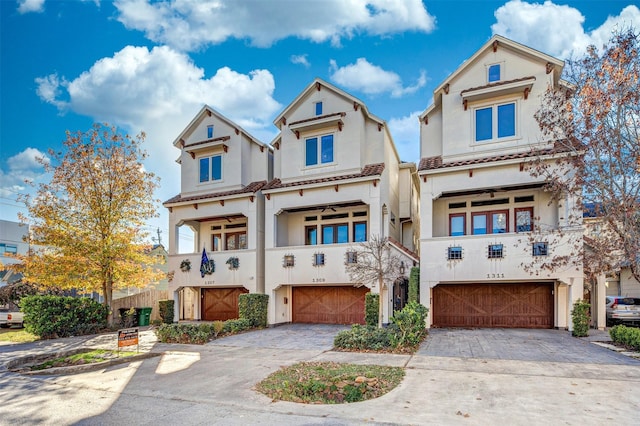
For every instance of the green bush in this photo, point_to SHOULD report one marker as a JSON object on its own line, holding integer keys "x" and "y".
{"x": 166, "y": 311}
{"x": 627, "y": 336}
{"x": 200, "y": 333}
{"x": 236, "y": 325}
{"x": 55, "y": 316}
{"x": 414, "y": 285}
{"x": 361, "y": 337}
{"x": 371, "y": 306}
{"x": 580, "y": 317}
{"x": 410, "y": 323}
{"x": 253, "y": 306}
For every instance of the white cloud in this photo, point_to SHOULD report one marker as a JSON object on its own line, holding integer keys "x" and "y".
{"x": 26, "y": 6}
{"x": 300, "y": 59}
{"x": 372, "y": 79}
{"x": 190, "y": 25}
{"x": 556, "y": 29}
{"x": 406, "y": 135}
{"x": 21, "y": 168}
{"x": 159, "y": 92}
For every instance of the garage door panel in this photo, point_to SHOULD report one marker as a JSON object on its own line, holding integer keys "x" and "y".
{"x": 329, "y": 305}
{"x": 522, "y": 305}
{"x": 221, "y": 304}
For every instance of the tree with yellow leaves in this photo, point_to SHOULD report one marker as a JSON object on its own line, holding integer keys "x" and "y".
{"x": 87, "y": 223}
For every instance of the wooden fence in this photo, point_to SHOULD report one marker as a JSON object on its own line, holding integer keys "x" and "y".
{"x": 148, "y": 298}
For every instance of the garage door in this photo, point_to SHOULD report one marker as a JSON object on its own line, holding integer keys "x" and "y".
{"x": 220, "y": 303}
{"x": 526, "y": 305}
{"x": 329, "y": 305}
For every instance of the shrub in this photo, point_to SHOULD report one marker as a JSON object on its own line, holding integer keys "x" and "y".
{"x": 627, "y": 336}
{"x": 253, "y": 307}
{"x": 166, "y": 311}
{"x": 128, "y": 317}
{"x": 410, "y": 325}
{"x": 371, "y": 301}
{"x": 580, "y": 317}
{"x": 56, "y": 316}
{"x": 361, "y": 337}
{"x": 414, "y": 285}
{"x": 236, "y": 325}
{"x": 200, "y": 333}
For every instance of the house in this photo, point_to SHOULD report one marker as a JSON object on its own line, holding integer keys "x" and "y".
{"x": 480, "y": 205}
{"x": 221, "y": 208}
{"x": 14, "y": 237}
{"x": 338, "y": 181}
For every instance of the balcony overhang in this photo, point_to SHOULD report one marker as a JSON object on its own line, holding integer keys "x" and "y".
{"x": 323, "y": 121}
{"x": 522, "y": 85}
{"x": 492, "y": 191}
{"x": 323, "y": 207}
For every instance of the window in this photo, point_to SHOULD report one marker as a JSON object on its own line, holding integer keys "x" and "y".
{"x": 496, "y": 121}
{"x": 351, "y": 257}
{"x": 493, "y": 73}
{"x": 321, "y": 153}
{"x": 335, "y": 234}
{"x": 8, "y": 249}
{"x": 211, "y": 168}
{"x": 540, "y": 249}
{"x": 311, "y": 235}
{"x": 216, "y": 242}
{"x": 457, "y": 225}
{"x": 288, "y": 261}
{"x": 318, "y": 108}
{"x": 454, "y": 253}
{"x": 495, "y": 222}
{"x": 210, "y": 131}
{"x": 495, "y": 251}
{"x": 318, "y": 259}
{"x": 359, "y": 232}
{"x": 524, "y": 219}
{"x": 237, "y": 241}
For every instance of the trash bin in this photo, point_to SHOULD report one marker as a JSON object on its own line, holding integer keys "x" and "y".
{"x": 127, "y": 321}
{"x": 144, "y": 315}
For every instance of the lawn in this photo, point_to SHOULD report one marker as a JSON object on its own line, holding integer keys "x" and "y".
{"x": 16, "y": 335}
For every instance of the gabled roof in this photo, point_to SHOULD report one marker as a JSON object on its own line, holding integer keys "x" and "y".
{"x": 319, "y": 83}
{"x": 495, "y": 41}
{"x": 206, "y": 109}
{"x": 250, "y": 189}
{"x": 370, "y": 170}
{"x": 403, "y": 249}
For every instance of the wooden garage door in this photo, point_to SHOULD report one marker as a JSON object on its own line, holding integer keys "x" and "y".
{"x": 220, "y": 303}
{"x": 329, "y": 305}
{"x": 527, "y": 305}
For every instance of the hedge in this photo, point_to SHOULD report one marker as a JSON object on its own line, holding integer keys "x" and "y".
{"x": 253, "y": 307}
{"x": 166, "y": 311}
{"x": 627, "y": 336}
{"x": 371, "y": 301}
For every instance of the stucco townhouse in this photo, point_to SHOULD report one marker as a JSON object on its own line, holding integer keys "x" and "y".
{"x": 480, "y": 204}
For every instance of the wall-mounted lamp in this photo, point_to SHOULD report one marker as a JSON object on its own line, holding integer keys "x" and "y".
{"x": 402, "y": 268}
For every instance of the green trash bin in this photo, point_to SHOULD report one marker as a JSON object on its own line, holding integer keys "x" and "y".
{"x": 144, "y": 316}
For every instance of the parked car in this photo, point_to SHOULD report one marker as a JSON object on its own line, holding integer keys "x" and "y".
{"x": 623, "y": 310}
{"x": 9, "y": 318}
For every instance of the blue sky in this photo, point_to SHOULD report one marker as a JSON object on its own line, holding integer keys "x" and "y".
{"x": 150, "y": 66}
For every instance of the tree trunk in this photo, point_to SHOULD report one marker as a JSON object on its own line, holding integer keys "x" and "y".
{"x": 107, "y": 292}
{"x": 380, "y": 301}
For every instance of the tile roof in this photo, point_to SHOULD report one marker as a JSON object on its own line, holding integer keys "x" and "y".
{"x": 319, "y": 117}
{"x": 431, "y": 163}
{"x": 221, "y": 138}
{"x": 252, "y": 188}
{"x": 404, "y": 249}
{"x": 368, "y": 170}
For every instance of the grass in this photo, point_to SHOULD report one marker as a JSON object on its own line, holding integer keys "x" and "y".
{"x": 17, "y": 335}
{"x": 330, "y": 382}
{"x": 90, "y": 357}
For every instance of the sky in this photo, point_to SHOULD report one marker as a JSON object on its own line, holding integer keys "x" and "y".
{"x": 151, "y": 65}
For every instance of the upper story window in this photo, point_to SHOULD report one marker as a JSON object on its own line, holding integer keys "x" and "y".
{"x": 494, "y": 222}
{"x": 318, "y": 108}
{"x": 8, "y": 249}
{"x": 495, "y": 122}
{"x": 457, "y": 224}
{"x": 335, "y": 234}
{"x": 232, "y": 236}
{"x": 493, "y": 73}
{"x": 211, "y": 168}
{"x": 524, "y": 219}
{"x": 319, "y": 150}
{"x": 210, "y": 131}
{"x": 359, "y": 232}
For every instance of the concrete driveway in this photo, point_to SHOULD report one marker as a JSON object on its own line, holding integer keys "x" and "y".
{"x": 518, "y": 344}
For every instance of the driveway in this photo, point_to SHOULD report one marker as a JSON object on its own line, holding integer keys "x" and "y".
{"x": 519, "y": 345}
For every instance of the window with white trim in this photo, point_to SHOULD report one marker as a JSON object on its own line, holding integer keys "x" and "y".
{"x": 211, "y": 168}
{"x": 319, "y": 150}
{"x": 318, "y": 108}
{"x": 493, "y": 73}
{"x": 495, "y": 122}
{"x": 210, "y": 131}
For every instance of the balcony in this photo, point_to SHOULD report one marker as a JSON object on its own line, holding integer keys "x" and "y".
{"x": 244, "y": 275}
{"x": 493, "y": 257}
{"x": 303, "y": 271}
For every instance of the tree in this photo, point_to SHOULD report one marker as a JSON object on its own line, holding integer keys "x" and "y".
{"x": 87, "y": 223}
{"x": 596, "y": 123}
{"x": 374, "y": 264}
